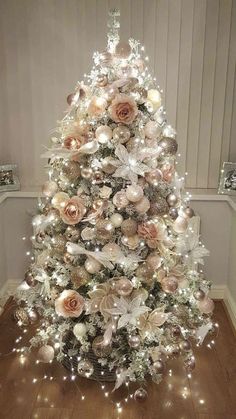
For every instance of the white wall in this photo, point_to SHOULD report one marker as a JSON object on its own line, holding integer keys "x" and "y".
{"x": 46, "y": 46}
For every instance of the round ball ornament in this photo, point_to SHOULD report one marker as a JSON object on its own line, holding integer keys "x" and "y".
{"x": 134, "y": 341}
{"x": 45, "y": 353}
{"x": 71, "y": 170}
{"x": 169, "y": 284}
{"x": 29, "y": 279}
{"x": 145, "y": 272}
{"x": 143, "y": 205}
{"x": 21, "y": 316}
{"x": 49, "y": 188}
{"x": 72, "y": 234}
{"x": 59, "y": 200}
{"x": 79, "y": 276}
{"x": 173, "y": 213}
{"x": 172, "y": 200}
{"x": 121, "y": 134}
{"x": 33, "y": 316}
{"x": 85, "y": 368}
{"x": 92, "y": 266}
{"x": 103, "y": 134}
{"x": 129, "y": 227}
{"x": 152, "y": 130}
{"x": 108, "y": 166}
{"x": 59, "y": 243}
{"x": 153, "y": 177}
{"x": 140, "y": 395}
{"x": 189, "y": 212}
{"x": 185, "y": 345}
{"x": 158, "y": 207}
{"x": 169, "y": 146}
{"x": 123, "y": 50}
{"x": 180, "y": 224}
{"x": 98, "y": 347}
{"x": 134, "y": 193}
{"x": 154, "y": 97}
{"x": 79, "y": 330}
{"x": 116, "y": 219}
{"x": 104, "y": 229}
{"x": 159, "y": 367}
{"x": 113, "y": 250}
{"x": 123, "y": 286}
{"x": 120, "y": 199}
{"x": 86, "y": 173}
{"x": 154, "y": 261}
{"x": 206, "y": 305}
{"x": 199, "y": 295}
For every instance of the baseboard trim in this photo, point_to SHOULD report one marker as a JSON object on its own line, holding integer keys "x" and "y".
{"x": 218, "y": 292}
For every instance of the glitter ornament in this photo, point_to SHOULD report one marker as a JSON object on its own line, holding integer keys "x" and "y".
{"x": 85, "y": 368}
{"x": 116, "y": 219}
{"x": 49, "y": 188}
{"x": 104, "y": 229}
{"x": 92, "y": 265}
{"x": 99, "y": 348}
{"x": 189, "y": 212}
{"x": 120, "y": 199}
{"x": 199, "y": 295}
{"x": 108, "y": 166}
{"x": 72, "y": 233}
{"x": 153, "y": 177}
{"x": 59, "y": 200}
{"x": 103, "y": 134}
{"x": 206, "y": 305}
{"x": 123, "y": 286}
{"x": 173, "y": 213}
{"x": 143, "y": 205}
{"x": 123, "y": 50}
{"x": 169, "y": 146}
{"x": 129, "y": 227}
{"x": 154, "y": 261}
{"x": 169, "y": 284}
{"x": 145, "y": 272}
{"x": 134, "y": 341}
{"x": 180, "y": 224}
{"x": 79, "y": 276}
{"x": 121, "y": 134}
{"x": 86, "y": 173}
{"x": 45, "y": 353}
{"x": 185, "y": 345}
{"x": 152, "y": 129}
{"x": 79, "y": 330}
{"x": 59, "y": 243}
{"x": 71, "y": 170}
{"x": 113, "y": 250}
{"x": 172, "y": 200}
{"x": 21, "y": 316}
{"x": 134, "y": 193}
{"x": 158, "y": 207}
{"x": 30, "y": 279}
{"x": 140, "y": 395}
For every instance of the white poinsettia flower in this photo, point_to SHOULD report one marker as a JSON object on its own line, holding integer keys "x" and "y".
{"x": 128, "y": 310}
{"x": 130, "y": 165}
{"x": 189, "y": 247}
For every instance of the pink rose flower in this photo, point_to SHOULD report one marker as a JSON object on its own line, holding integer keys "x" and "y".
{"x": 74, "y": 142}
{"x": 69, "y": 304}
{"x": 152, "y": 233}
{"x": 123, "y": 109}
{"x": 73, "y": 211}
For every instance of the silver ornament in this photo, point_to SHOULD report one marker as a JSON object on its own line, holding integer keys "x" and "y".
{"x": 172, "y": 200}
{"x": 169, "y": 146}
{"x": 140, "y": 395}
{"x": 134, "y": 341}
{"x": 85, "y": 368}
{"x": 199, "y": 295}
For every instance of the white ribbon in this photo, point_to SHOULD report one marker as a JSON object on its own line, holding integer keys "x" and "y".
{"x": 102, "y": 257}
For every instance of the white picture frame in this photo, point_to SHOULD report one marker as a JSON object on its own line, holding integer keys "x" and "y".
{"x": 8, "y": 179}
{"x": 227, "y": 184}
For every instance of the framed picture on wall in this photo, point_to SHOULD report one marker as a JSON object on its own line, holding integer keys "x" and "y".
{"x": 228, "y": 179}
{"x": 8, "y": 179}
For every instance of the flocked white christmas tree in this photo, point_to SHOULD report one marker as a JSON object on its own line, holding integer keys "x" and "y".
{"x": 115, "y": 278}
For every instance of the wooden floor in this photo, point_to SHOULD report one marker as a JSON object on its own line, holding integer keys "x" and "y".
{"x": 209, "y": 394}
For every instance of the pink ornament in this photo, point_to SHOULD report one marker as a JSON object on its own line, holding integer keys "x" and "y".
{"x": 143, "y": 205}
{"x": 123, "y": 286}
{"x": 103, "y": 134}
{"x": 154, "y": 260}
{"x": 92, "y": 266}
{"x": 152, "y": 130}
{"x": 121, "y": 134}
{"x": 153, "y": 177}
{"x": 134, "y": 193}
{"x": 169, "y": 284}
{"x": 206, "y": 306}
{"x": 113, "y": 250}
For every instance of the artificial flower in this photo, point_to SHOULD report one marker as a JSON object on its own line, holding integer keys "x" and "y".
{"x": 150, "y": 322}
{"x": 152, "y": 232}
{"x": 73, "y": 211}
{"x": 69, "y": 304}
{"x": 101, "y": 298}
{"x": 74, "y": 142}
{"x": 123, "y": 109}
{"x": 128, "y": 310}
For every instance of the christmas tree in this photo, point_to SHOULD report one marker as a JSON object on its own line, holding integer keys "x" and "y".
{"x": 114, "y": 280}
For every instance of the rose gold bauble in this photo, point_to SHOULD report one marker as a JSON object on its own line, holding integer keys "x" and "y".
{"x": 29, "y": 279}
{"x": 153, "y": 177}
{"x": 71, "y": 170}
{"x": 154, "y": 261}
{"x": 121, "y": 134}
{"x": 140, "y": 395}
{"x": 145, "y": 272}
{"x": 98, "y": 347}
{"x": 104, "y": 229}
{"x": 59, "y": 200}
{"x": 116, "y": 219}
{"x": 173, "y": 213}
{"x": 152, "y": 130}
{"x": 185, "y": 345}
{"x": 86, "y": 173}
{"x": 158, "y": 207}
{"x": 112, "y": 249}
{"x": 129, "y": 227}
{"x": 49, "y": 188}
{"x": 206, "y": 306}
{"x": 143, "y": 205}
{"x": 189, "y": 212}
{"x": 120, "y": 199}
{"x": 59, "y": 243}
{"x": 123, "y": 286}
{"x": 172, "y": 200}
{"x": 199, "y": 294}
{"x": 134, "y": 341}
{"x": 92, "y": 266}
{"x": 108, "y": 166}
{"x": 79, "y": 276}
{"x": 45, "y": 353}
{"x": 103, "y": 134}
{"x": 180, "y": 224}
{"x": 169, "y": 146}
{"x": 123, "y": 50}
{"x": 134, "y": 193}
{"x": 169, "y": 284}
{"x": 110, "y": 92}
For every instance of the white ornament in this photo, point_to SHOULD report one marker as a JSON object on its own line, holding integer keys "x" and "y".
{"x": 103, "y": 134}
{"x": 116, "y": 220}
{"x": 134, "y": 193}
{"x": 79, "y": 330}
{"x": 92, "y": 266}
